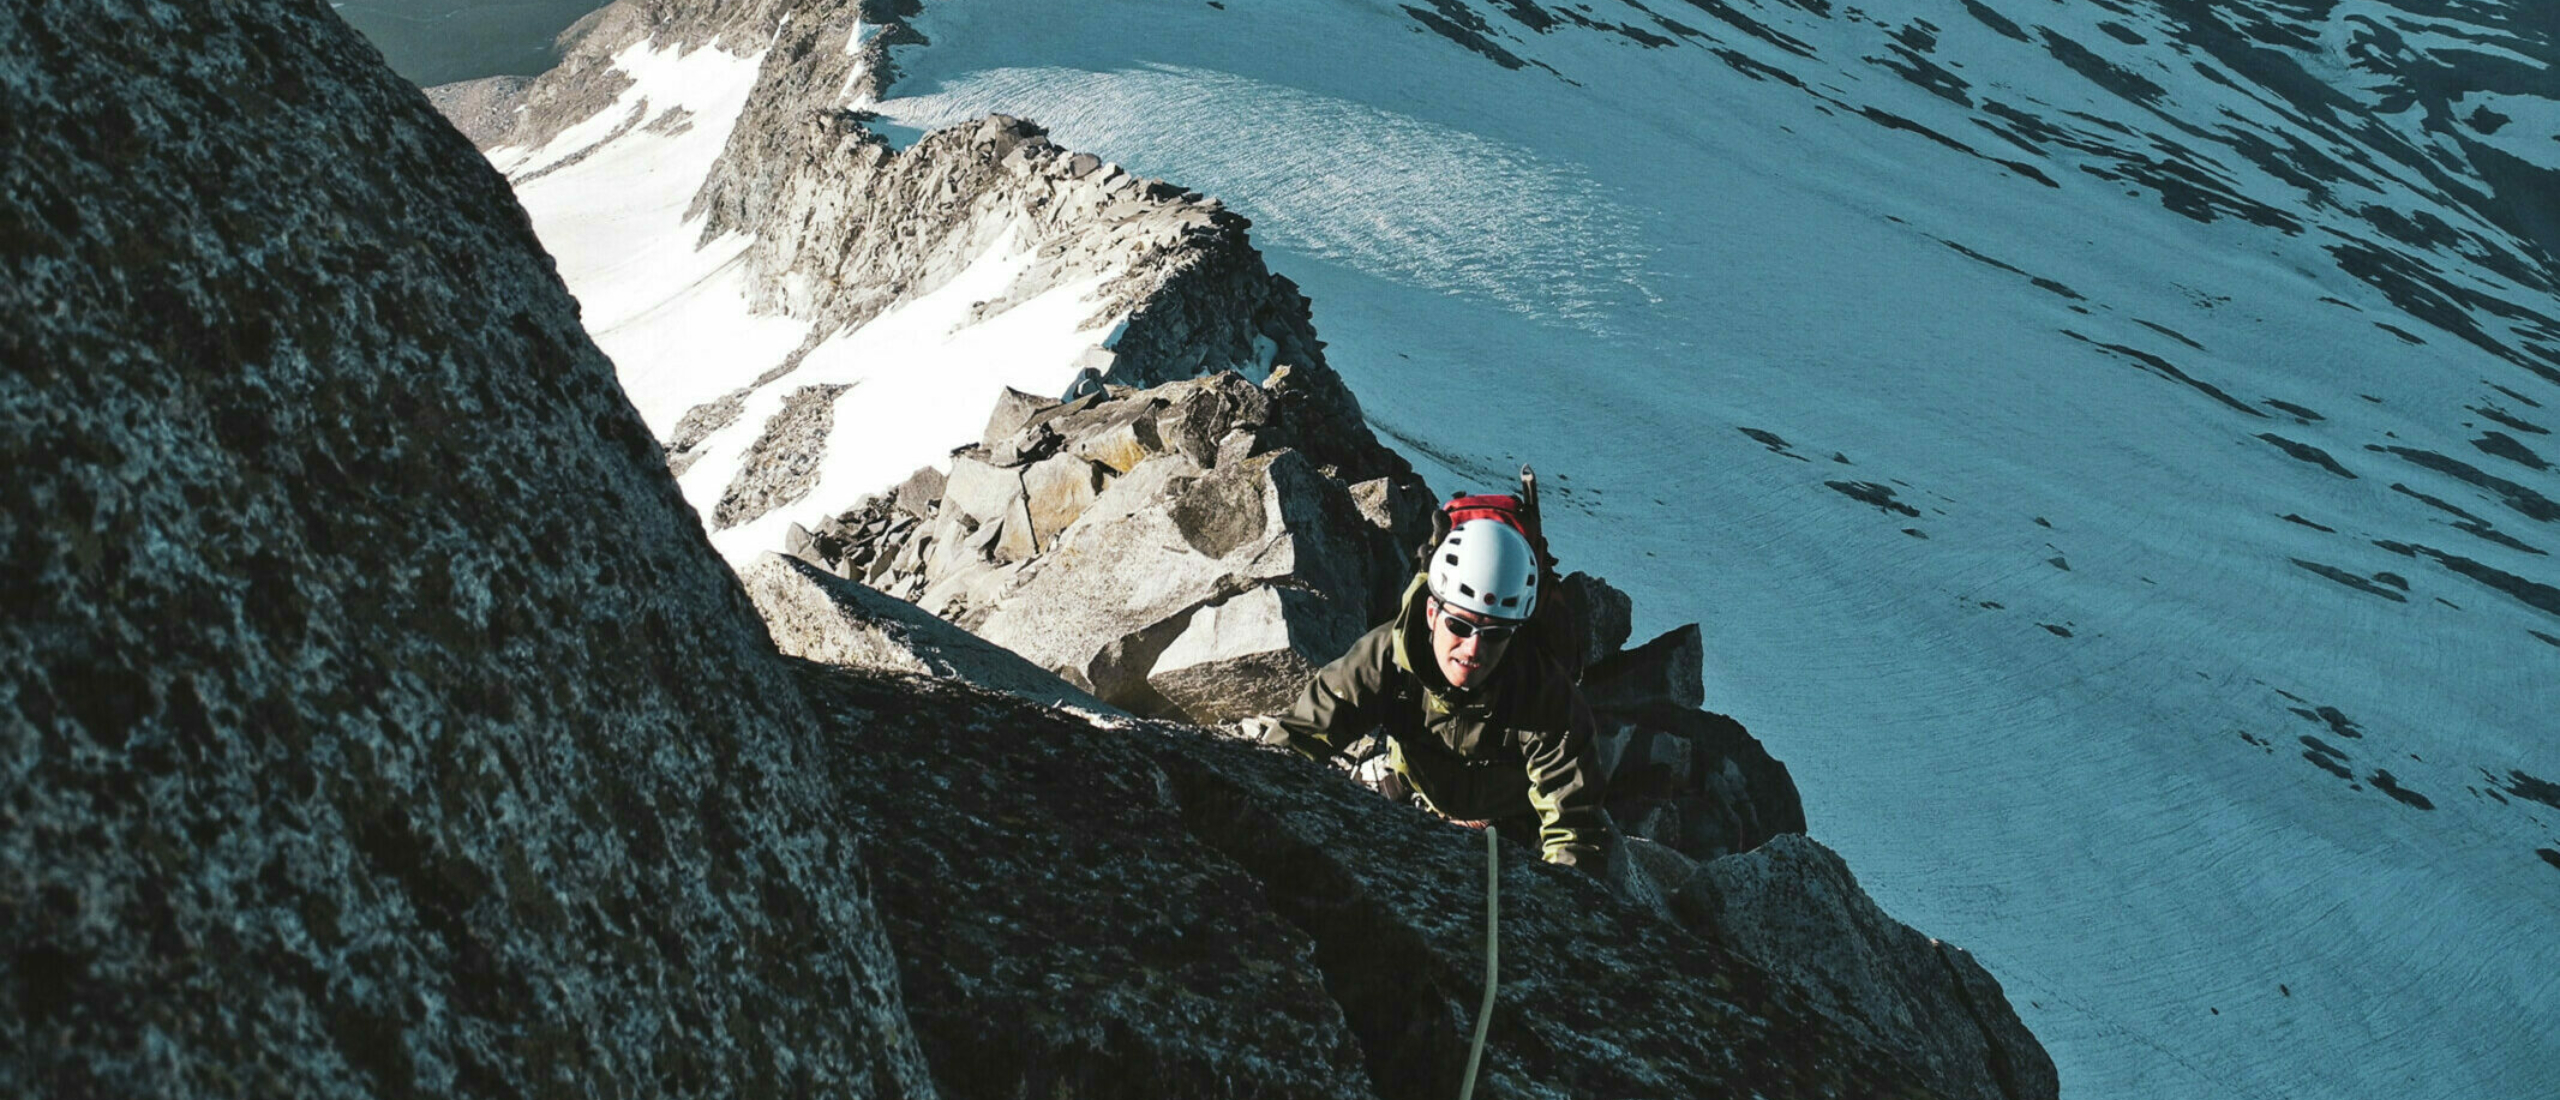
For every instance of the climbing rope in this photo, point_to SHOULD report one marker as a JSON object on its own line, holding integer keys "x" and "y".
{"x": 1492, "y": 949}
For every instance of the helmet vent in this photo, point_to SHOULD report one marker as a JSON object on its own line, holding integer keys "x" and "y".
{"x": 1511, "y": 601}
{"x": 1450, "y": 558}
{"x": 1469, "y": 593}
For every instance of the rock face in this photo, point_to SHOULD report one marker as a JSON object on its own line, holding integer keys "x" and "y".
{"x": 845, "y": 226}
{"x": 1680, "y": 775}
{"x": 1694, "y": 780}
{"x": 1792, "y": 907}
{"x": 1153, "y": 911}
{"x": 1086, "y": 535}
{"x": 1171, "y": 550}
{"x": 338, "y": 768}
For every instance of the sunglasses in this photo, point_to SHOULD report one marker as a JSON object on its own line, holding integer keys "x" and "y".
{"x": 1462, "y": 629}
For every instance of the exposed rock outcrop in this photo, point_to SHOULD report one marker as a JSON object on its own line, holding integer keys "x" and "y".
{"x": 1792, "y": 907}
{"x": 845, "y": 226}
{"x": 585, "y": 80}
{"x": 818, "y": 616}
{"x": 1171, "y": 551}
{"x": 1166, "y": 549}
{"x": 1694, "y": 780}
{"x": 339, "y": 767}
{"x": 857, "y": 227}
{"x": 781, "y": 466}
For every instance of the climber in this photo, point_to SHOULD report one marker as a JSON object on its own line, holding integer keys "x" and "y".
{"x": 1482, "y": 720}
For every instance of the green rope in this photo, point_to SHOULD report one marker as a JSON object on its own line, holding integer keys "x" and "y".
{"x": 1492, "y": 948}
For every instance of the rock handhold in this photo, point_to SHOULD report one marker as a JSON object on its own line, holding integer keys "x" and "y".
{"x": 1695, "y": 780}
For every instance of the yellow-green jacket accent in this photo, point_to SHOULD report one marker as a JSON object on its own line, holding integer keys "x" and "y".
{"x": 1520, "y": 745}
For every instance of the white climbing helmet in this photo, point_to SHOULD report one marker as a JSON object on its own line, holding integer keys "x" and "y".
{"x": 1486, "y": 566}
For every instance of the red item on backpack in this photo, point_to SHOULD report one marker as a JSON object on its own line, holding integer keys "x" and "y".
{"x": 1494, "y": 506}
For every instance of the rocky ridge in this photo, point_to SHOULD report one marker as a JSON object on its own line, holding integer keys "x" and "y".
{"x": 882, "y": 226}
{"x": 1154, "y": 910}
{"x": 843, "y": 227}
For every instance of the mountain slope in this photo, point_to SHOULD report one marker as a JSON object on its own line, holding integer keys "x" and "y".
{"x": 2108, "y": 444}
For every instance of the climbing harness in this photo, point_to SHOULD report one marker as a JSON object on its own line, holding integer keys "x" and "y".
{"x": 1492, "y": 950}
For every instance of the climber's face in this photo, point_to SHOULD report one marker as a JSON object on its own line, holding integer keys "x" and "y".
{"x": 1467, "y": 645}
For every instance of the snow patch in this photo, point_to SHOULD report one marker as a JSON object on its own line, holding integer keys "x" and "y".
{"x": 670, "y": 314}
{"x": 2530, "y": 134}
{"x": 923, "y": 374}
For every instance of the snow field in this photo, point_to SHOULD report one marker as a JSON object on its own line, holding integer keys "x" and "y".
{"x": 924, "y": 380}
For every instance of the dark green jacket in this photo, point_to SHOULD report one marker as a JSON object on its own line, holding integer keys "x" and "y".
{"x": 1522, "y": 744}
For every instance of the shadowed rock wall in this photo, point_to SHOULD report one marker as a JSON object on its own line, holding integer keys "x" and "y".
{"x": 1150, "y": 911}
{"x": 343, "y": 759}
